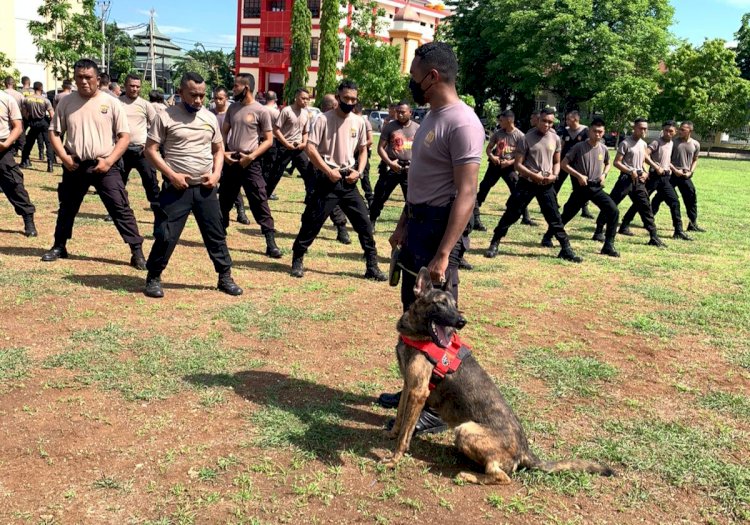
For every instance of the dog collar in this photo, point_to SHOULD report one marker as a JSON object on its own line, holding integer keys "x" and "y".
{"x": 445, "y": 360}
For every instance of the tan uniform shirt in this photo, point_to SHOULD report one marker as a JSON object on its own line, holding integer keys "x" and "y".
{"x": 61, "y": 95}
{"x": 589, "y": 160}
{"x": 187, "y": 139}
{"x": 141, "y": 114}
{"x": 633, "y": 153}
{"x": 338, "y": 139}
{"x": 91, "y": 125}
{"x": 661, "y": 152}
{"x": 291, "y": 123}
{"x": 539, "y": 150}
{"x": 684, "y": 152}
{"x": 37, "y": 106}
{"x": 248, "y": 123}
{"x": 18, "y": 97}
{"x": 159, "y": 107}
{"x": 9, "y": 111}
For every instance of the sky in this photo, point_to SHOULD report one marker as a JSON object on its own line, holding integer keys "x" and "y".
{"x": 214, "y": 23}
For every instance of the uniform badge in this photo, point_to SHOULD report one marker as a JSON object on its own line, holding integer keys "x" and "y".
{"x": 429, "y": 138}
{"x": 104, "y": 109}
{"x": 249, "y": 118}
{"x": 601, "y": 157}
{"x": 353, "y": 133}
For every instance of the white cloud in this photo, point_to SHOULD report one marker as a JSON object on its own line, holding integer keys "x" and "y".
{"x": 146, "y": 13}
{"x": 171, "y": 30}
{"x": 742, "y": 4}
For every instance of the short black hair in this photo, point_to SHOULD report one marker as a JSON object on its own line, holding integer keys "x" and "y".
{"x": 300, "y": 91}
{"x": 535, "y": 112}
{"x": 191, "y": 75}
{"x": 155, "y": 96}
{"x": 25, "y": 79}
{"x": 9, "y": 81}
{"x": 440, "y": 57}
{"x": 132, "y": 76}
{"x": 38, "y": 86}
{"x": 67, "y": 84}
{"x": 507, "y": 114}
{"x": 86, "y": 63}
{"x": 358, "y": 108}
{"x": 547, "y": 111}
{"x": 104, "y": 78}
{"x": 573, "y": 113}
{"x": 669, "y": 124}
{"x": 219, "y": 89}
{"x": 247, "y": 79}
{"x": 404, "y": 103}
{"x": 271, "y": 95}
{"x": 598, "y": 121}
{"x": 347, "y": 84}
{"x": 113, "y": 86}
{"x": 639, "y": 120}
{"x": 687, "y": 123}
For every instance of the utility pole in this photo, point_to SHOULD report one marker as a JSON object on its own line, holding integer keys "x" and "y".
{"x": 104, "y": 5}
{"x": 151, "y": 54}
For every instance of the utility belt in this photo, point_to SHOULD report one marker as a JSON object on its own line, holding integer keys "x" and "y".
{"x": 425, "y": 212}
{"x": 594, "y": 184}
{"x": 35, "y": 120}
{"x": 653, "y": 173}
{"x": 138, "y": 149}
{"x": 344, "y": 173}
{"x": 629, "y": 176}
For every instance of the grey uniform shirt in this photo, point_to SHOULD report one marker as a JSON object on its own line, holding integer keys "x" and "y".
{"x": 633, "y": 153}
{"x": 661, "y": 152}
{"x": 589, "y": 160}
{"x": 539, "y": 150}
{"x": 684, "y": 152}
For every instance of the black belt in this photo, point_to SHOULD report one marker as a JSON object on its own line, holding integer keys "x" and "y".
{"x": 425, "y": 212}
{"x": 594, "y": 184}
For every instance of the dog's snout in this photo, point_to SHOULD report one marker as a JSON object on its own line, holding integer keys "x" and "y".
{"x": 461, "y": 322}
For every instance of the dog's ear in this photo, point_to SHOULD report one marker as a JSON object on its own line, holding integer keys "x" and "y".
{"x": 424, "y": 282}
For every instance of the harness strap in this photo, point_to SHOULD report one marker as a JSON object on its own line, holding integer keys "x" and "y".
{"x": 445, "y": 360}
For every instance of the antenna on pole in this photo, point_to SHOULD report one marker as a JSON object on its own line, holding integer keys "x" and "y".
{"x": 104, "y": 5}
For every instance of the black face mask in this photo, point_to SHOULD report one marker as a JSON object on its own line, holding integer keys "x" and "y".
{"x": 241, "y": 96}
{"x": 189, "y": 108}
{"x": 346, "y": 108}
{"x": 417, "y": 92}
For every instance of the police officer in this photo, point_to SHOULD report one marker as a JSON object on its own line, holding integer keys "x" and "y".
{"x": 337, "y": 148}
{"x": 631, "y": 156}
{"x": 570, "y": 135}
{"x": 38, "y": 108}
{"x": 364, "y": 178}
{"x": 191, "y": 167}
{"x": 96, "y": 135}
{"x": 290, "y": 131}
{"x": 501, "y": 160}
{"x": 11, "y": 176}
{"x": 588, "y": 165}
{"x": 538, "y": 165}
{"x": 394, "y": 149}
{"x": 660, "y": 151}
{"x": 442, "y": 185}
{"x": 247, "y": 133}
{"x": 684, "y": 161}
{"x": 10, "y": 89}
{"x": 141, "y": 115}
{"x": 269, "y": 157}
{"x": 157, "y": 101}
{"x": 67, "y": 89}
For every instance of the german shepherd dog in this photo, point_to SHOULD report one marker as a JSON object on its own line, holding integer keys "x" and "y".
{"x": 487, "y": 431}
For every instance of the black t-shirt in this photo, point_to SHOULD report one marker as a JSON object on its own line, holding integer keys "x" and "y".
{"x": 570, "y": 138}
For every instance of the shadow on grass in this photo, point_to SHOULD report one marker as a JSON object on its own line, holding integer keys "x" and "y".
{"x": 27, "y": 251}
{"x": 129, "y": 283}
{"x": 321, "y": 420}
{"x": 265, "y": 266}
{"x": 19, "y": 231}
{"x": 357, "y": 256}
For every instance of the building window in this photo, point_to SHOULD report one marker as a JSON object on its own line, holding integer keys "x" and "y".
{"x": 341, "y": 50}
{"x": 276, "y": 5}
{"x": 314, "y": 43}
{"x": 250, "y": 46}
{"x": 251, "y": 9}
{"x": 314, "y": 6}
{"x": 275, "y": 44}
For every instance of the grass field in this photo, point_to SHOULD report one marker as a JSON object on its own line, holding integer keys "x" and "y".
{"x": 203, "y": 408}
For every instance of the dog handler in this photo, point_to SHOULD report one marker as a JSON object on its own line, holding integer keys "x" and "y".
{"x": 442, "y": 185}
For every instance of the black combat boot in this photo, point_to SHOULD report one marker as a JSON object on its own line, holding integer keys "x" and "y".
{"x": 29, "y": 229}
{"x": 609, "y": 249}
{"x": 598, "y": 235}
{"x": 298, "y": 269}
{"x": 50, "y": 166}
{"x": 626, "y": 231}
{"x": 137, "y": 260}
{"x": 693, "y": 227}
{"x": 478, "y": 225}
{"x": 567, "y": 253}
{"x": 373, "y": 271}
{"x": 656, "y": 241}
{"x": 463, "y": 264}
{"x": 526, "y": 220}
{"x": 271, "y": 249}
{"x": 343, "y": 235}
{"x": 242, "y": 217}
{"x": 57, "y": 251}
{"x": 153, "y": 286}
{"x": 585, "y": 213}
{"x": 227, "y": 285}
{"x": 491, "y": 252}
{"x": 681, "y": 235}
{"x": 547, "y": 241}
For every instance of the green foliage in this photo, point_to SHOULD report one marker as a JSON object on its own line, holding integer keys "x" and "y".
{"x": 215, "y": 66}
{"x": 704, "y": 85}
{"x": 120, "y": 52}
{"x": 468, "y": 100}
{"x": 743, "y": 47}
{"x": 5, "y": 68}
{"x": 330, "y": 17}
{"x": 577, "y": 374}
{"x": 301, "y": 37}
{"x": 624, "y": 99}
{"x": 63, "y": 37}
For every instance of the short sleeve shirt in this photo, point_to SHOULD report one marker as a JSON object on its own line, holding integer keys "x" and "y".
{"x": 219, "y": 117}
{"x": 292, "y": 123}
{"x": 9, "y": 111}
{"x": 338, "y": 139}
{"x": 570, "y": 138}
{"x": 247, "y": 122}
{"x": 684, "y": 152}
{"x": 91, "y": 125}
{"x": 539, "y": 150}
{"x": 448, "y": 137}
{"x": 187, "y": 139}
{"x": 58, "y": 97}
{"x": 141, "y": 115}
{"x": 633, "y": 153}
{"x": 37, "y": 106}
{"x": 505, "y": 143}
{"x": 399, "y": 139}
{"x": 589, "y": 160}
{"x": 17, "y": 96}
{"x": 661, "y": 152}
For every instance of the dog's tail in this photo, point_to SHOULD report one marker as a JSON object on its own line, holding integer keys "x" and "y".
{"x": 579, "y": 465}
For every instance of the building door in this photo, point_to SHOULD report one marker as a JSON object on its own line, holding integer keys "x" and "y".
{"x": 275, "y": 82}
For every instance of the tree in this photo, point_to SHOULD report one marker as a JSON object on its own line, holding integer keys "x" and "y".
{"x": 704, "y": 85}
{"x": 301, "y": 39}
{"x": 623, "y": 100}
{"x": 120, "y": 52}
{"x": 743, "y": 46}
{"x": 5, "y": 68}
{"x": 63, "y": 37}
{"x": 330, "y": 17}
{"x": 216, "y": 66}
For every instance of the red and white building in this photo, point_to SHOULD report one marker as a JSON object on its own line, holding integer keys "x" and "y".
{"x": 264, "y": 35}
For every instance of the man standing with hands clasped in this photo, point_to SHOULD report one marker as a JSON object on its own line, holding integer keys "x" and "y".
{"x": 191, "y": 167}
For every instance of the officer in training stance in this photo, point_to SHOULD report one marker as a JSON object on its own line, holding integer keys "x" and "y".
{"x": 11, "y": 176}
{"x": 191, "y": 167}
{"x": 96, "y": 135}
{"x": 538, "y": 165}
{"x": 501, "y": 164}
{"x": 141, "y": 115}
{"x": 394, "y": 149}
{"x": 337, "y": 148}
{"x": 630, "y": 159}
{"x": 684, "y": 161}
{"x": 570, "y": 135}
{"x": 446, "y": 154}
{"x": 588, "y": 165}
{"x": 247, "y": 132}
{"x": 660, "y": 151}
{"x": 10, "y": 89}
{"x": 290, "y": 130}
{"x": 39, "y": 112}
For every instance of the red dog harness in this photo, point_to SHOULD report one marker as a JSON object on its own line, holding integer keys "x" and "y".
{"x": 445, "y": 360}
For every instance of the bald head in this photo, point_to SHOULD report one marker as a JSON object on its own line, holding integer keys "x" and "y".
{"x": 328, "y": 103}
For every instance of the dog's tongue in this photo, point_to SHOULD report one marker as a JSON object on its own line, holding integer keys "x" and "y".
{"x": 439, "y": 335}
